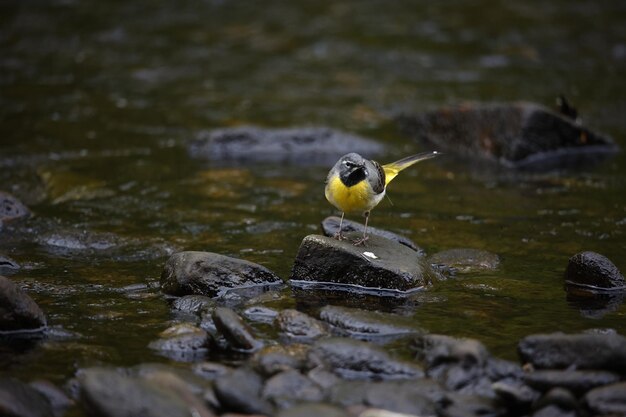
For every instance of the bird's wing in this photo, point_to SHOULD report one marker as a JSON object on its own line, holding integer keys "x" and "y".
{"x": 392, "y": 169}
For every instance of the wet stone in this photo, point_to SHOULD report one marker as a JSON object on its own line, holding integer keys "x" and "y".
{"x": 583, "y": 351}
{"x": 260, "y": 314}
{"x": 237, "y": 333}
{"x": 8, "y": 266}
{"x": 194, "y": 304}
{"x": 354, "y": 359}
{"x": 308, "y": 145}
{"x": 463, "y": 260}
{"x": 594, "y": 271}
{"x": 183, "y": 342}
{"x": 300, "y": 326}
{"x": 18, "y": 399}
{"x": 273, "y": 359}
{"x": 578, "y": 382}
{"x": 515, "y": 395}
{"x": 435, "y": 350}
{"x": 240, "y": 391}
{"x": 18, "y": 312}
{"x": 367, "y": 324}
{"x": 330, "y": 226}
{"x": 211, "y": 274}
{"x": 11, "y": 208}
{"x": 559, "y": 397}
{"x": 517, "y": 135}
{"x": 210, "y": 370}
{"x": 400, "y": 398}
{"x": 289, "y": 387}
{"x": 608, "y": 400}
{"x": 381, "y": 265}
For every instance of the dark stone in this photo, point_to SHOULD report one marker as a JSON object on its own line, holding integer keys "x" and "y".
{"x": 401, "y": 397}
{"x": 210, "y": 370}
{"x": 554, "y": 411}
{"x": 155, "y": 371}
{"x": 237, "y": 333}
{"x": 582, "y": 351}
{"x": 273, "y": 359}
{"x": 18, "y": 399}
{"x": 194, "y": 304}
{"x": 313, "y": 410}
{"x": 183, "y": 342}
{"x": 8, "y": 266}
{"x": 516, "y": 396}
{"x": 11, "y": 208}
{"x": 577, "y": 382}
{"x": 461, "y": 405}
{"x": 289, "y": 387}
{"x": 240, "y": 391}
{"x": 466, "y": 260}
{"x": 109, "y": 393}
{"x": 608, "y": 400}
{"x": 367, "y": 324}
{"x": 593, "y": 271}
{"x": 330, "y": 226}
{"x": 559, "y": 397}
{"x": 211, "y": 274}
{"x": 260, "y": 314}
{"x": 18, "y": 312}
{"x": 309, "y": 145}
{"x": 323, "y": 377}
{"x": 57, "y": 398}
{"x": 395, "y": 267}
{"x": 354, "y": 359}
{"x": 435, "y": 350}
{"x": 297, "y": 325}
{"x": 517, "y": 135}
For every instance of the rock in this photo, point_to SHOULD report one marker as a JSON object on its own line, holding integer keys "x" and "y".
{"x": 153, "y": 371}
{"x": 183, "y": 342}
{"x": 465, "y": 260}
{"x": 608, "y": 400}
{"x": 594, "y": 272}
{"x": 578, "y": 382}
{"x": 297, "y": 325}
{"x": 18, "y": 399}
{"x": 211, "y": 274}
{"x": 382, "y": 265}
{"x": 260, "y": 314}
{"x": 323, "y": 377}
{"x": 18, "y": 312}
{"x": 330, "y": 226}
{"x": 461, "y": 405}
{"x": 582, "y": 351}
{"x": 289, "y": 387}
{"x": 235, "y": 331}
{"x": 109, "y": 393}
{"x": 310, "y": 145}
{"x": 273, "y": 359}
{"x": 313, "y": 410}
{"x": 11, "y": 208}
{"x": 58, "y": 399}
{"x": 7, "y": 265}
{"x": 368, "y": 324}
{"x": 194, "y": 304}
{"x": 434, "y": 350}
{"x": 353, "y": 359}
{"x": 210, "y": 370}
{"x": 240, "y": 391}
{"x": 554, "y": 411}
{"x": 517, "y": 135}
{"x": 517, "y": 397}
{"x": 558, "y": 397}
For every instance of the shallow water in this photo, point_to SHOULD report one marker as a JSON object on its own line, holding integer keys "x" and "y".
{"x": 99, "y": 99}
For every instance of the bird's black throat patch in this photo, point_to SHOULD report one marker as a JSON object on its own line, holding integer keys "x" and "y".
{"x": 352, "y": 177}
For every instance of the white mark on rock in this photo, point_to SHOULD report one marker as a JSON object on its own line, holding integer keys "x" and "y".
{"x": 370, "y": 255}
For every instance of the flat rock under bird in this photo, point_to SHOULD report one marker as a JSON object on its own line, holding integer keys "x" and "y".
{"x": 357, "y": 185}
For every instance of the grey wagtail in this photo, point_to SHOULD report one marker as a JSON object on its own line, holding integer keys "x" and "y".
{"x": 357, "y": 185}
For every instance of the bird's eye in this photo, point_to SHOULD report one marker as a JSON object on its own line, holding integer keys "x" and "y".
{"x": 349, "y": 164}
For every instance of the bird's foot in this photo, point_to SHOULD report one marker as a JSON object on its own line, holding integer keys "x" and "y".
{"x": 361, "y": 241}
{"x": 338, "y": 236}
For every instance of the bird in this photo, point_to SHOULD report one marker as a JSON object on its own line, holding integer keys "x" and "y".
{"x": 356, "y": 184}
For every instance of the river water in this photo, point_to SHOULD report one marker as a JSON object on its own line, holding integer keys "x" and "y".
{"x": 98, "y": 101}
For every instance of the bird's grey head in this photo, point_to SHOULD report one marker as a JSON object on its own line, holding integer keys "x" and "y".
{"x": 352, "y": 169}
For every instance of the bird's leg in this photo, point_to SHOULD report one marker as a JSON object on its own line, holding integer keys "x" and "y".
{"x": 362, "y": 241}
{"x": 338, "y": 235}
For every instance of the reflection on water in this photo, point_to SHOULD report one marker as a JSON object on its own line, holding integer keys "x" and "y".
{"x": 100, "y": 100}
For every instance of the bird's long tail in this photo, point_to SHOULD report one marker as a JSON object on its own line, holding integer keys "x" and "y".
{"x": 392, "y": 169}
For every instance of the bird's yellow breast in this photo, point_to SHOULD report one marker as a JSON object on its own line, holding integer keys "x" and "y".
{"x": 355, "y": 199}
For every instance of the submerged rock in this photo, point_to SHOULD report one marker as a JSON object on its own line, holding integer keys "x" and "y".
{"x": 465, "y": 260}
{"x": 367, "y": 324}
{"x": 18, "y": 399}
{"x": 235, "y": 331}
{"x": 11, "y": 208}
{"x": 583, "y": 351}
{"x": 354, "y": 359}
{"x": 18, "y": 312}
{"x": 380, "y": 265}
{"x": 211, "y": 274}
{"x": 330, "y": 226}
{"x": 594, "y": 272}
{"x": 297, "y": 325}
{"x": 307, "y": 145}
{"x": 517, "y": 135}
{"x": 183, "y": 342}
